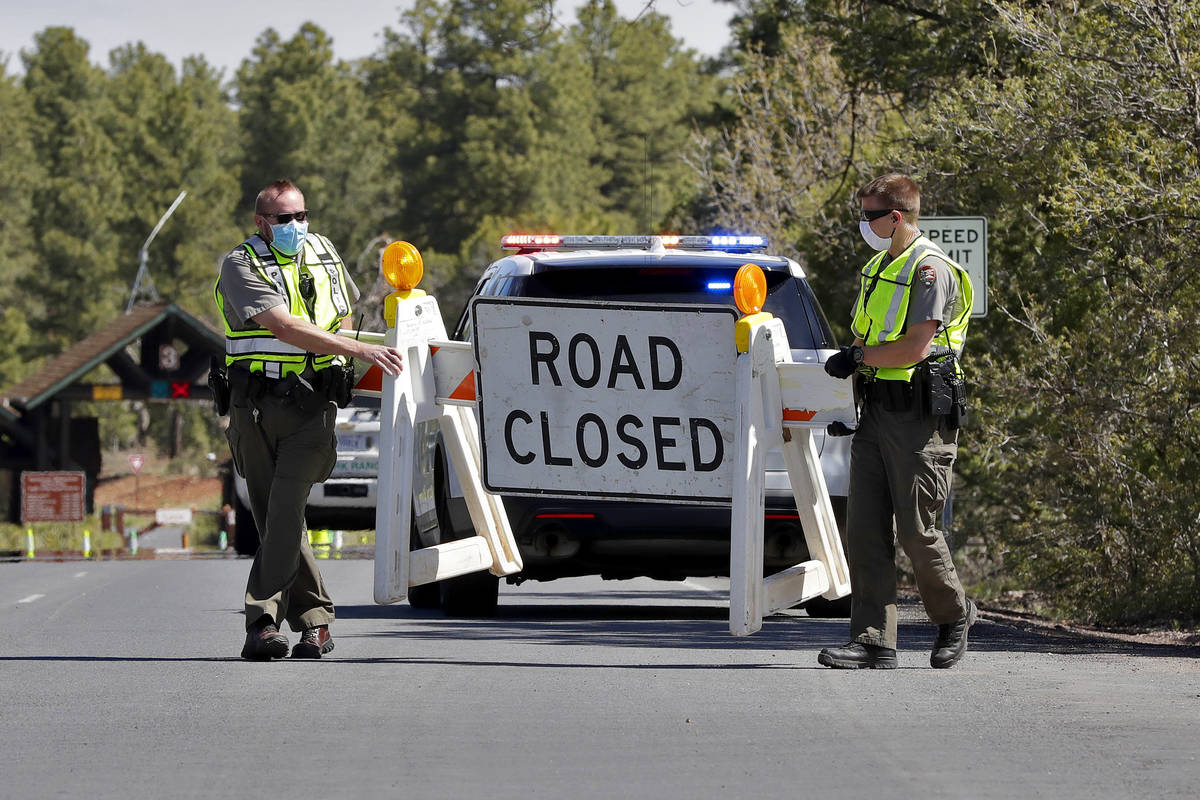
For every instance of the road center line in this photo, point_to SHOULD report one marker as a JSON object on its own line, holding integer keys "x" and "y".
{"x": 31, "y": 598}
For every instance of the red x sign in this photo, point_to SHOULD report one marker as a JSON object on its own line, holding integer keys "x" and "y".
{"x": 181, "y": 389}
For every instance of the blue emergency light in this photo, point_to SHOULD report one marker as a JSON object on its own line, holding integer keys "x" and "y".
{"x": 723, "y": 242}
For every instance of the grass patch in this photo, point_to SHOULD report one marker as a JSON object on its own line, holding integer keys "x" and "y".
{"x": 50, "y": 536}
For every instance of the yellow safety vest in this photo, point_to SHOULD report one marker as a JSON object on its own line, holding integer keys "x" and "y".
{"x": 881, "y": 311}
{"x": 255, "y": 348}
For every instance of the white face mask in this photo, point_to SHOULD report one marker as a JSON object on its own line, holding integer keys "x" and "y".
{"x": 873, "y": 240}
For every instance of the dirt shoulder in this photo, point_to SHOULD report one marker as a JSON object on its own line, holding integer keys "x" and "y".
{"x": 1033, "y": 622}
{"x": 159, "y": 491}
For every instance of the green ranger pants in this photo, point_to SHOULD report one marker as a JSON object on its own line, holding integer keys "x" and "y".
{"x": 900, "y": 471}
{"x": 281, "y": 452}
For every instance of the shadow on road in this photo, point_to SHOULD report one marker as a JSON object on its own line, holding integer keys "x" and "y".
{"x": 705, "y": 627}
{"x": 101, "y": 659}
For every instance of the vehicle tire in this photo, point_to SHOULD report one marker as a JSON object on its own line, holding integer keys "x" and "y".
{"x": 426, "y": 596}
{"x": 245, "y": 533}
{"x": 821, "y": 608}
{"x": 474, "y": 595}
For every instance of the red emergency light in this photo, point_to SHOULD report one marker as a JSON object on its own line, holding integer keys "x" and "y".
{"x": 519, "y": 241}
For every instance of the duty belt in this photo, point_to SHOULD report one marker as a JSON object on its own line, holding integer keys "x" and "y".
{"x": 888, "y": 394}
{"x": 318, "y": 391}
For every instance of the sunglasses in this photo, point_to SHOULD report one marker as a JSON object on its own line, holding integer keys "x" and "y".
{"x": 871, "y": 216}
{"x": 284, "y": 219}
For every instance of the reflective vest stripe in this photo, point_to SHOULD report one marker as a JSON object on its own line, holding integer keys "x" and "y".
{"x": 260, "y": 344}
{"x": 898, "y": 307}
{"x": 334, "y": 269}
{"x": 264, "y": 260}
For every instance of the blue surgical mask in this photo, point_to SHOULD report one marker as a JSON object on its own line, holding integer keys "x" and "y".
{"x": 289, "y": 239}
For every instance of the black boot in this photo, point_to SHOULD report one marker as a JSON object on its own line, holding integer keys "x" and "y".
{"x": 951, "y": 644}
{"x": 858, "y": 656}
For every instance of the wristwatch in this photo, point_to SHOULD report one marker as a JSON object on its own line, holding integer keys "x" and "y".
{"x": 856, "y": 355}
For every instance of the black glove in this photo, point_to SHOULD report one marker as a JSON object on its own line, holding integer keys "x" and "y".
{"x": 839, "y": 428}
{"x": 841, "y": 364}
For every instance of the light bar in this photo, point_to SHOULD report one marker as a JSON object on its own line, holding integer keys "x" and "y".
{"x": 530, "y": 241}
{"x": 720, "y": 286}
{"x": 729, "y": 243}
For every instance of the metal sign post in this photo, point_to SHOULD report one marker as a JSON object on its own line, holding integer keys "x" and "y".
{"x": 136, "y": 462}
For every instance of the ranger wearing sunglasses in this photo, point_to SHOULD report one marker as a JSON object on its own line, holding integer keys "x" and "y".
{"x": 910, "y": 324}
{"x": 283, "y": 293}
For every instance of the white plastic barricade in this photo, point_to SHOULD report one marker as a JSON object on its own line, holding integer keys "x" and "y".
{"x": 431, "y": 364}
{"x": 778, "y": 402}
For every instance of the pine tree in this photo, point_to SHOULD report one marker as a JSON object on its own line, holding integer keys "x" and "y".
{"x": 174, "y": 133}
{"x": 76, "y": 285}
{"x": 305, "y": 117}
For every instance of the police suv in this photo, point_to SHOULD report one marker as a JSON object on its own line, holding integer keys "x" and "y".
{"x": 564, "y": 537}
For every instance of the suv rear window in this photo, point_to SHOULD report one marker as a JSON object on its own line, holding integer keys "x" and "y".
{"x": 788, "y": 298}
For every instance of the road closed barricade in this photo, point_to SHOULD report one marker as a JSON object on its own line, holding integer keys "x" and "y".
{"x": 613, "y": 400}
{"x": 415, "y": 328}
{"x": 780, "y": 402}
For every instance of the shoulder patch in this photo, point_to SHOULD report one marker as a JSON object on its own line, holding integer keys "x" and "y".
{"x": 927, "y": 274}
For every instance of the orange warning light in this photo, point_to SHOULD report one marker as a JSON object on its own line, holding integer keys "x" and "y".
{"x": 749, "y": 288}
{"x": 402, "y": 266}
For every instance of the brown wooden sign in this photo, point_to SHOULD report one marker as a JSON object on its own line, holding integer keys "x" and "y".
{"x": 52, "y": 496}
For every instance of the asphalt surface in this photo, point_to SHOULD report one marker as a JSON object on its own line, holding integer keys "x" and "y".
{"x": 122, "y": 679}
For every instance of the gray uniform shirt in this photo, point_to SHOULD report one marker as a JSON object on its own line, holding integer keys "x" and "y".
{"x": 934, "y": 294}
{"x": 248, "y": 294}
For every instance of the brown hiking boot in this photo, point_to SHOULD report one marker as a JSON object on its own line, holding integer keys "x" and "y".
{"x": 264, "y": 642}
{"x": 314, "y": 643}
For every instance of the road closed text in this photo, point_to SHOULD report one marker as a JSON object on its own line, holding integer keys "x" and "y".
{"x": 590, "y": 398}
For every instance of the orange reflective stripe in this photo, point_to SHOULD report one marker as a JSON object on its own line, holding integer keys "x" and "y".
{"x": 372, "y": 380}
{"x": 466, "y": 389}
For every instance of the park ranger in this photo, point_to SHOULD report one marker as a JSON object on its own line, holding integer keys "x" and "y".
{"x": 910, "y": 323}
{"x": 283, "y": 293}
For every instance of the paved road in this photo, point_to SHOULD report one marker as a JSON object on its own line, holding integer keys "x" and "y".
{"x": 121, "y": 679}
